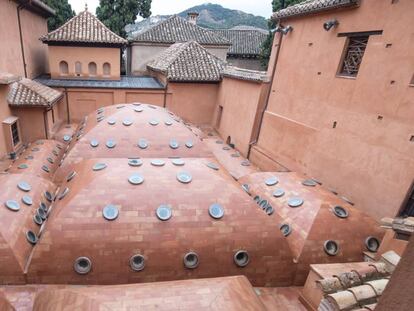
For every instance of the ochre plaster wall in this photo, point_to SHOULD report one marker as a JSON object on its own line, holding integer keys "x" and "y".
{"x": 194, "y": 102}
{"x": 33, "y": 26}
{"x": 84, "y": 55}
{"x": 368, "y": 156}
{"x": 82, "y": 102}
{"x": 239, "y": 100}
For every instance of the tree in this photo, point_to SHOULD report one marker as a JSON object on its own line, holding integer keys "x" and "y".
{"x": 266, "y": 48}
{"x": 63, "y": 10}
{"x": 116, "y": 14}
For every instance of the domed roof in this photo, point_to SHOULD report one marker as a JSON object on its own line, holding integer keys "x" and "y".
{"x": 310, "y": 216}
{"x": 131, "y": 131}
{"x": 162, "y": 210}
{"x": 20, "y": 198}
{"x": 41, "y": 159}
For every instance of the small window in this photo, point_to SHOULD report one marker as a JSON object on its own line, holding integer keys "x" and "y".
{"x": 106, "y": 69}
{"x": 78, "y": 68}
{"x": 63, "y": 68}
{"x": 15, "y": 134}
{"x": 354, "y": 52}
{"x": 92, "y": 69}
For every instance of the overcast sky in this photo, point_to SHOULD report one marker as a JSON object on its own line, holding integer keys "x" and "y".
{"x": 166, "y": 7}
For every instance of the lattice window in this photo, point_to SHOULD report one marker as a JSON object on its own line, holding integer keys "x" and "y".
{"x": 355, "y": 50}
{"x": 15, "y": 133}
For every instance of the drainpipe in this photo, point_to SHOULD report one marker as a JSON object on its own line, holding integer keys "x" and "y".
{"x": 67, "y": 105}
{"x": 45, "y": 122}
{"x": 19, "y": 8}
{"x": 165, "y": 94}
{"x": 254, "y": 141}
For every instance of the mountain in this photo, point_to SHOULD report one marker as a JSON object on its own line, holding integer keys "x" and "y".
{"x": 216, "y": 17}
{"x": 212, "y": 16}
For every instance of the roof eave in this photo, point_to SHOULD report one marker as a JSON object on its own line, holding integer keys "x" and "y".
{"x": 38, "y": 7}
{"x": 277, "y": 16}
{"x": 82, "y": 43}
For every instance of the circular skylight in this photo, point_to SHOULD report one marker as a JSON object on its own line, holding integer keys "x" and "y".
{"x": 157, "y": 162}
{"x": 99, "y": 166}
{"x": 189, "y": 144}
{"x": 111, "y": 143}
{"x": 372, "y": 244}
{"x": 257, "y": 199}
{"x": 246, "y": 188}
{"x": 111, "y": 121}
{"x": 142, "y": 143}
{"x": 63, "y": 193}
{"x": 241, "y": 258}
{"x": 127, "y": 122}
{"x": 245, "y": 163}
{"x": 70, "y": 176}
{"x": 226, "y": 148}
{"x": 82, "y": 265}
{"x": 135, "y": 162}
{"x": 309, "y": 183}
{"x": 153, "y": 122}
{"x": 137, "y": 262}
{"x": 340, "y": 211}
{"x": 263, "y": 203}
{"x": 23, "y": 166}
{"x": 331, "y": 247}
{"x": 269, "y": 209}
{"x": 26, "y": 199}
{"x": 46, "y": 168}
{"x": 50, "y": 160}
{"x": 110, "y": 212}
{"x": 37, "y": 219}
{"x": 24, "y": 186}
{"x": 43, "y": 206}
{"x": 285, "y": 229}
{"x": 178, "y": 162}
{"x": 279, "y": 192}
{"x": 12, "y": 205}
{"x": 138, "y": 109}
{"x": 66, "y": 138}
{"x": 94, "y": 143}
{"x": 164, "y": 212}
{"x": 213, "y": 166}
{"x": 42, "y": 213}
{"x": 31, "y": 237}
{"x": 295, "y": 202}
{"x": 216, "y": 211}
{"x": 271, "y": 181}
{"x": 184, "y": 177}
{"x": 174, "y": 144}
{"x": 235, "y": 155}
{"x": 136, "y": 179}
{"x": 191, "y": 260}
{"x": 55, "y": 153}
{"x": 168, "y": 122}
{"x": 49, "y": 196}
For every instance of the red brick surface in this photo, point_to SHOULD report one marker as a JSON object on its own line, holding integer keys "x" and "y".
{"x": 314, "y": 222}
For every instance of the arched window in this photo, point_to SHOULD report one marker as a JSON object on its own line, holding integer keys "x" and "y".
{"x": 78, "y": 68}
{"x": 92, "y": 69}
{"x": 63, "y": 68}
{"x": 107, "y": 69}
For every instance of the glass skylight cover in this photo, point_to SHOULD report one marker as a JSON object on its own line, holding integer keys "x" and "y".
{"x": 12, "y": 205}
{"x": 340, "y": 211}
{"x": 174, "y": 144}
{"x": 127, "y": 122}
{"x": 99, "y": 166}
{"x": 285, "y": 229}
{"x": 216, "y": 211}
{"x": 241, "y": 258}
{"x": 45, "y": 168}
{"x": 142, "y": 143}
{"x": 26, "y": 199}
{"x": 213, "y": 166}
{"x": 191, "y": 260}
{"x": 31, "y": 237}
{"x": 135, "y": 162}
{"x": 24, "y": 186}
{"x": 279, "y": 192}
{"x": 110, "y": 212}
{"x": 189, "y": 144}
{"x": 309, "y": 183}
{"x": 271, "y": 181}
{"x": 164, "y": 212}
{"x": 66, "y": 138}
{"x": 295, "y": 202}
{"x": 178, "y": 162}
{"x": 23, "y": 166}
{"x": 111, "y": 121}
{"x": 153, "y": 122}
{"x": 136, "y": 179}
{"x": 137, "y": 262}
{"x": 70, "y": 176}
{"x": 184, "y": 177}
{"x": 168, "y": 122}
{"x": 111, "y": 143}
{"x": 157, "y": 162}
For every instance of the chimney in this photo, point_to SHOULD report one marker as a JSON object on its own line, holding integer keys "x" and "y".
{"x": 192, "y": 17}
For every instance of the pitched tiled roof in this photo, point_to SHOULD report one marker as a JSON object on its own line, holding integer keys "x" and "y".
{"x": 245, "y": 74}
{"x": 176, "y": 29}
{"x": 188, "y": 61}
{"x": 84, "y": 28}
{"x": 244, "y": 42}
{"x": 313, "y": 6}
{"x": 27, "y": 92}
